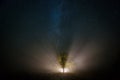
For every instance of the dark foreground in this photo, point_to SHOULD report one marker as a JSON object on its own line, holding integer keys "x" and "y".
{"x": 26, "y": 76}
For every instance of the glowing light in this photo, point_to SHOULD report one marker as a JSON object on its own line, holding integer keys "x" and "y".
{"x": 65, "y": 70}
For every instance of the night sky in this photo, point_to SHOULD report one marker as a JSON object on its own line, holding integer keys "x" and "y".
{"x": 33, "y": 32}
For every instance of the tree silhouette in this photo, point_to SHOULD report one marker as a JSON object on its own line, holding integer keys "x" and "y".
{"x": 62, "y": 58}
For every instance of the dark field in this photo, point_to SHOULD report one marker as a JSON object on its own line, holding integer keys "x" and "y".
{"x": 60, "y": 76}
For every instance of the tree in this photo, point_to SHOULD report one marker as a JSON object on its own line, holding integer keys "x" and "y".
{"x": 62, "y": 58}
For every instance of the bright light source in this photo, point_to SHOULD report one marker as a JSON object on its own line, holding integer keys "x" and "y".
{"x": 61, "y": 70}
{"x": 64, "y": 71}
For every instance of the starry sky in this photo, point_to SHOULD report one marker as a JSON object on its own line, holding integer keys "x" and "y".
{"x": 33, "y": 28}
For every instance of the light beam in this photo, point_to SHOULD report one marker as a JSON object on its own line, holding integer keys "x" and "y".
{"x": 65, "y": 70}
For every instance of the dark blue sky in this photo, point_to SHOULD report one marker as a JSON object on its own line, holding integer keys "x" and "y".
{"x": 59, "y": 17}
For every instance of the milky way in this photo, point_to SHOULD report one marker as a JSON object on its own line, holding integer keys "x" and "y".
{"x": 58, "y": 10}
